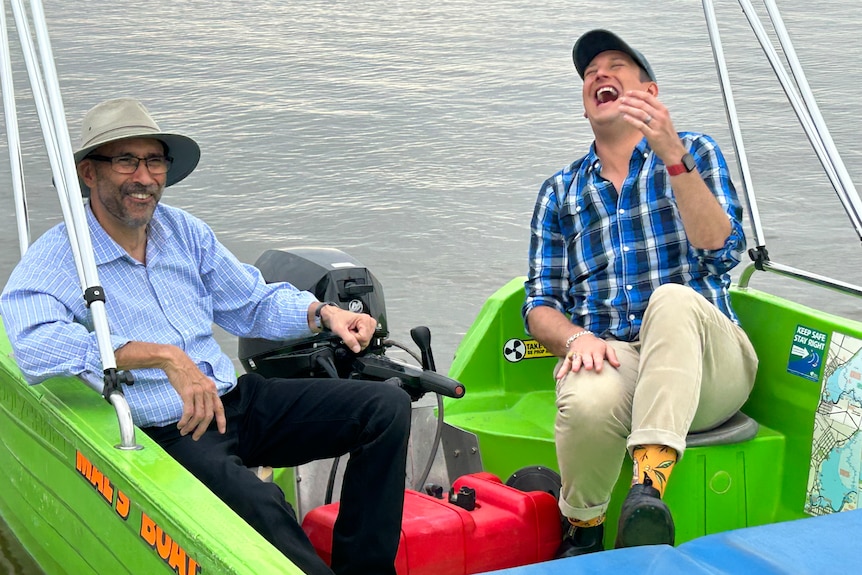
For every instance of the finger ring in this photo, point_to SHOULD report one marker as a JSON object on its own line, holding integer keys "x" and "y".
{"x": 573, "y": 356}
{"x": 648, "y": 119}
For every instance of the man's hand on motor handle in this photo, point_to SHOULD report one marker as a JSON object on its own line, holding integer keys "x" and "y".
{"x": 354, "y": 329}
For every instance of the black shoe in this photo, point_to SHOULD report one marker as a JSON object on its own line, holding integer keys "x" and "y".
{"x": 644, "y": 519}
{"x": 581, "y": 540}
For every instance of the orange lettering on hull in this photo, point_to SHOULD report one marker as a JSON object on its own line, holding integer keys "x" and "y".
{"x": 123, "y": 504}
{"x": 177, "y": 559}
{"x": 82, "y": 464}
{"x": 171, "y": 553}
{"x": 96, "y": 478}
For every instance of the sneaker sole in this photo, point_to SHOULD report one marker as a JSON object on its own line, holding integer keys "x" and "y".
{"x": 647, "y": 525}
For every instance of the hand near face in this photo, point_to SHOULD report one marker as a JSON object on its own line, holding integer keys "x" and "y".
{"x": 644, "y": 111}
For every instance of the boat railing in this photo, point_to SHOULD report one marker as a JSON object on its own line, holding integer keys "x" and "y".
{"x": 52, "y": 120}
{"x": 795, "y": 273}
{"x": 801, "y": 99}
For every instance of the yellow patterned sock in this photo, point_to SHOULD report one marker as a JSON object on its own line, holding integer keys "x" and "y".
{"x": 589, "y": 522}
{"x": 654, "y": 461}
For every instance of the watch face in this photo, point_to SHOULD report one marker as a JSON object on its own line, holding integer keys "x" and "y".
{"x": 688, "y": 162}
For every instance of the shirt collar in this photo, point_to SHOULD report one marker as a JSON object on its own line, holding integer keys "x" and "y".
{"x": 594, "y": 164}
{"x": 642, "y": 149}
{"x": 592, "y": 161}
{"x": 105, "y": 249}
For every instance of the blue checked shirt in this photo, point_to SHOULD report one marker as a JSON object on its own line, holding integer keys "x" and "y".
{"x": 189, "y": 281}
{"x": 598, "y": 255}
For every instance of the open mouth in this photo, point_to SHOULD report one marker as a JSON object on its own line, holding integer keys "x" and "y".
{"x": 606, "y": 94}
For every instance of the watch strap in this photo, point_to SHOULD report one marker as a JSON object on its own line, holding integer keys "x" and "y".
{"x": 318, "y": 321}
{"x": 686, "y": 165}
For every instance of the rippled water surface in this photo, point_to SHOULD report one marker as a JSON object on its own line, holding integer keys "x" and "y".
{"x": 414, "y": 135}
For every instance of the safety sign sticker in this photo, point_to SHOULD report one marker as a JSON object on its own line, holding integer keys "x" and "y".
{"x": 517, "y": 349}
{"x": 806, "y": 353}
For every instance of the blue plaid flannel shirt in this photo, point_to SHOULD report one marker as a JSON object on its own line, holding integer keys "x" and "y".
{"x": 598, "y": 255}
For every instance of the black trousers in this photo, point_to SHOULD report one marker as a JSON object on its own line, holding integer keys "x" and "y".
{"x": 288, "y": 422}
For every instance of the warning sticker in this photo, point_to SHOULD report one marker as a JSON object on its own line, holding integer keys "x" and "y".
{"x": 806, "y": 353}
{"x": 517, "y": 349}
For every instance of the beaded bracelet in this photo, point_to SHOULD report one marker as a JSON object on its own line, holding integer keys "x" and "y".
{"x": 575, "y": 336}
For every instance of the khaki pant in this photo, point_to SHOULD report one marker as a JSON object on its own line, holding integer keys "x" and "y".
{"x": 692, "y": 369}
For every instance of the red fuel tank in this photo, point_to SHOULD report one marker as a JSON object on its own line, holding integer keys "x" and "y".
{"x": 505, "y": 528}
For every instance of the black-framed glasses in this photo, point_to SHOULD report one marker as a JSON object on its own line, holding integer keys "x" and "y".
{"x": 128, "y": 164}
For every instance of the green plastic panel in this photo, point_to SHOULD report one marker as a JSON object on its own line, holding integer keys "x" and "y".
{"x": 510, "y": 406}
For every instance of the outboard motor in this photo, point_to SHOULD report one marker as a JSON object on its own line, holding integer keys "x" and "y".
{"x": 332, "y": 275}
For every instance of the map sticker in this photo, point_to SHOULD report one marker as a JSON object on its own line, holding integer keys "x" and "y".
{"x": 806, "y": 353}
{"x": 835, "y": 475}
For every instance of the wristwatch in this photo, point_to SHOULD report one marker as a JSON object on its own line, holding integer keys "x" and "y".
{"x": 318, "y": 321}
{"x": 686, "y": 165}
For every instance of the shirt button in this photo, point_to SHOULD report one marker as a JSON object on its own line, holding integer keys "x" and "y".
{"x": 621, "y": 212}
{"x": 632, "y": 317}
{"x": 628, "y": 287}
{"x": 625, "y": 248}
{"x": 577, "y": 208}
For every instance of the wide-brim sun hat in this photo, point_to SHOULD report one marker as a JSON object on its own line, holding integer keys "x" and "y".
{"x": 594, "y": 42}
{"x": 123, "y": 118}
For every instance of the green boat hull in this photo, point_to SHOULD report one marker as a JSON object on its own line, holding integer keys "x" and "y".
{"x": 81, "y": 506}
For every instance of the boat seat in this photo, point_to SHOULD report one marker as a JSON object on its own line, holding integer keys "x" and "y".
{"x": 723, "y": 469}
{"x": 737, "y": 429}
{"x": 532, "y": 415}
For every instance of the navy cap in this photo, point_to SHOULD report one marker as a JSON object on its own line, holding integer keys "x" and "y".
{"x": 595, "y": 42}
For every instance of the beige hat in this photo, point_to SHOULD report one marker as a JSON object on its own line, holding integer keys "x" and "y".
{"x": 123, "y": 118}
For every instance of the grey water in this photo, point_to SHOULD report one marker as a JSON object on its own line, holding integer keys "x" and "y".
{"x": 414, "y": 135}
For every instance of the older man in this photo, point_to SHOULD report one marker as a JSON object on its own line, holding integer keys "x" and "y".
{"x": 167, "y": 280}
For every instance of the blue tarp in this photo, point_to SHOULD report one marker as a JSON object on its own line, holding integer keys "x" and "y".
{"x": 827, "y": 544}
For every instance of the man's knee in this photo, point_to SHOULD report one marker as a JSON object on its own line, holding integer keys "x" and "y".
{"x": 673, "y": 302}
{"x": 673, "y": 295}
{"x": 588, "y": 399}
{"x": 392, "y": 405}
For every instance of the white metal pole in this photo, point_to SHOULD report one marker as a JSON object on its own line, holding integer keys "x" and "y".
{"x": 70, "y": 178}
{"x": 34, "y": 74}
{"x": 733, "y": 121}
{"x": 52, "y": 119}
{"x": 851, "y": 205}
{"x": 13, "y": 139}
{"x": 813, "y": 108}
